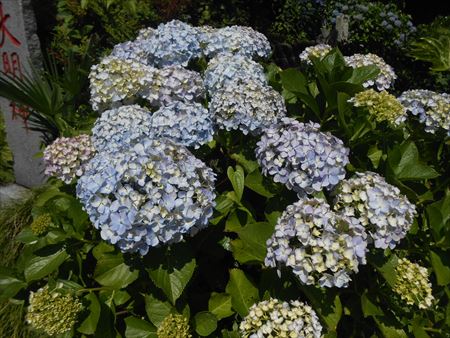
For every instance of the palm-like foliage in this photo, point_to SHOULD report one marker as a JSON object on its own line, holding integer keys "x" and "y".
{"x": 434, "y": 49}
{"x": 52, "y": 96}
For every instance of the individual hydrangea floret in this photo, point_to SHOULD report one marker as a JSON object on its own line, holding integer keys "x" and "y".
{"x": 174, "y": 326}
{"x": 433, "y": 109}
{"x": 320, "y": 246}
{"x": 114, "y": 81}
{"x": 186, "y": 123}
{"x": 236, "y": 40}
{"x": 52, "y": 312}
{"x": 67, "y": 157}
{"x": 174, "y": 83}
{"x": 384, "y": 79}
{"x": 119, "y": 127}
{"x": 275, "y": 318}
{"x": 382, "y": 106}
{"x": 301, "y": 157}
{"x": 413, "y": 284}
{"x": 237, "y": 69}
{"x": 317, "y": 51}
{"x": 379, "y": 206}
{"x": 41, "y": 224}
{"x": 173, "y": 43}
{"x": 154, "y": 193}
{"x": 250, "y": 107}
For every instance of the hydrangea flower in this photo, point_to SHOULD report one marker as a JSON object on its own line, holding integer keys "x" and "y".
{"x": 120, "y": 127}
{"x": 173, "y": 83}
{"x": 173, "y": 43}
{"x": 274, "y": 318}
{"x": 413, "y": 284}
{"x": 41, "y": 224}
{"x": 385, "y": 78}
{"x": 174, "y": 326}
{"x": 382, "y": 106}
{"x": 250, "y": 107}
{"x": 131, "y": 50}
{"x": 301, "y": 157}
{"x": 320, "y": 246}
{"x": 433, "y": 109}
{"x": 317, "y": 51}
{"x": 115, "y": 80}
{"x": 67, "y": 157}
{"x": 224, "y": 69}
{"x": 379, "y": 206}
{"x": 236, "y": 40}
{"x": 52, "y": 312}
{"x": 186, "y": 123}
{"x": 156, "y": 192}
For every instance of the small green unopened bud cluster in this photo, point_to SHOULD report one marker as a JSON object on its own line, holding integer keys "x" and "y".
{"x": 381, "y": 105}
{"x": 41, "y": 224}
{"x": 412, "y": 284}
{"x": 274, "y": 318}
{"x": 52, "y": 312}
{"x": 174, "y": 326}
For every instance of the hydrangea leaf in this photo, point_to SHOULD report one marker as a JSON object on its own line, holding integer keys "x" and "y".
{"x": 205, "y": 323}
{"x": 441, "y": 267}
{"x": 39, "y": 267}
{"x": 256, "y": 182}
{"x": 219, "y": 304}
{"x": 157, "y": 310}
{"x": 236, "y": 178}
{"x": 9, "y": 285}
{"x": 139, "y": 328}
{"x": 111, "y": 271}
{"x": 243, "y": 293}
{"x": 89, "y": 325}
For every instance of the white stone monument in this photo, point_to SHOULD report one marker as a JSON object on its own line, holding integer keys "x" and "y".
{"x": 19, "y": 45}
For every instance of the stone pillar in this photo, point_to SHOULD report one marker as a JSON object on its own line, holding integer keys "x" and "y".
{"x": 18, "y": 45}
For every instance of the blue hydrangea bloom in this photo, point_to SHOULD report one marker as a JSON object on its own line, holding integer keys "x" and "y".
{"x": 320, "y": 246}
{"x": 121, "y": 127}
{"x": 301, "y": 157}
{"x": 186, "y": 123}
{"x": 154, "y": 193}
{"x": 250, "y": 107}
{"x": 226, "y": 68}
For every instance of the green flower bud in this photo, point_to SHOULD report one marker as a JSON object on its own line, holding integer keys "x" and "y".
{"x": 52, "y": 312}
{"x": 174, "y": 326}
{"x": 41, "y": 224}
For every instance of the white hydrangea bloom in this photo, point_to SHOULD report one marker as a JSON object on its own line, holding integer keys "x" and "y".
{"x": 274, "y": 318}
{"x": 379, "y": 206}
{"x": 250, "y": 107}
{"x": 385, "y": 78}
{"x": 320, "y": 246}
{"x": 318, "y": 51}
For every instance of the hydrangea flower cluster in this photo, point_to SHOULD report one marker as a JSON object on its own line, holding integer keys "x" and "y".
{"x": 274, "y": 318}
{"x": 185, "y": 123}
{"x": 382, "y": 106}
{"x": 317, "y": 51}
{"x": 379, "y": 206}
{"x": 67, "y": 157}
{"x": 227, "y": 69}
{"x": 115, "y": 81}
{"x": 433, "y": 109}
{"x": 153, "y": 193}
{"x": 41, "y": 224}
{"x": 301, "y": 157}
{"x": 412, "y": 284}
{"x": 52, "y": 312}
{"x": 174, "y": 325}
{"x": 320, "y": 246}
{"x": 385, "y": 78}
{"x": 236, "y": 40}
{"x": 119, "y": 127}
{"x": 250, "y": 107}
{"x": 173, "y": 83}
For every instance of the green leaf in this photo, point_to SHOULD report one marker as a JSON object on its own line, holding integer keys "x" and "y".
{"x": 237, "y": 180}
{"x": 220, "y": 305}
{"x": 112, "y": 272}
{"x": 327, "y": 304}
{"x": 173, "y": 271}
{"x": 259, "y": 184}
{"x": 387, "y": 270}
{"x": 205, "y": 323}
{"x": 363, "y": 74}
{"x": 374, "y": 154}
{"x": 251, "y": 245}
{"x": 293, "y": 81}
{"x": 368, "y": 307}
{"x": 26, "y": 236}
{"x": 9, "y": 284}
{"x": 440, "y": 262}
{"x": 157, "y": 310}
{"x": 248, "y": 165}
{"x": 389, "y": 328}
{"x": 139, "y": 328}
{"x": 89, "y": 325}
{"x": 39, "y": 267}
{"x": 243, "y": 293}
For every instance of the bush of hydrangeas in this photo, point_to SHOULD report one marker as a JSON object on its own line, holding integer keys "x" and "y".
{"x": 218, "y": 195}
